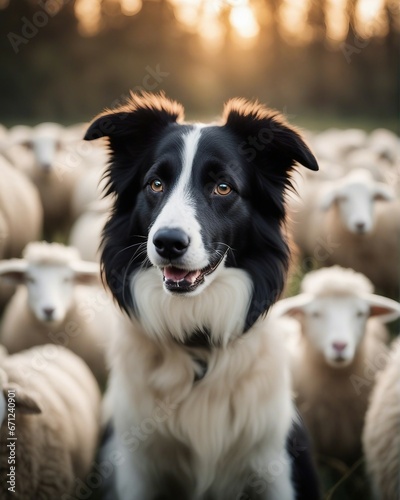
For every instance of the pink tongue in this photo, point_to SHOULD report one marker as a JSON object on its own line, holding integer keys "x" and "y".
{"x": 175, "y": 274}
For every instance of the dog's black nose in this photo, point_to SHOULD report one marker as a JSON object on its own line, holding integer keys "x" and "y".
{"x": 171, "y": 243}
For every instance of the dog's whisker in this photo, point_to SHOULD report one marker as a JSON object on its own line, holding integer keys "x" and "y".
{"x": 185, "y": 353}
{"x": 131, "y": 246}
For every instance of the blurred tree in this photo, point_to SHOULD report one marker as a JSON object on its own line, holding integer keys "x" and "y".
{"x": 51, "y": 71}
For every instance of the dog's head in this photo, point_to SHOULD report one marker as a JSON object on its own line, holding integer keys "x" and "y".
{"x": 193, "y": 200}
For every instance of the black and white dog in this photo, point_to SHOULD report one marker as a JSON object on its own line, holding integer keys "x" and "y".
{"x": 195, "y": 254}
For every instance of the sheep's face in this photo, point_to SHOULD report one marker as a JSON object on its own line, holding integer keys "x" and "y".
{"x": 356, "y": 203}
{"x": 45, "y": 149}
{"x": 335, "y": 326}
{"x": 355, "y": 199}
{"x": 50, "y": 291}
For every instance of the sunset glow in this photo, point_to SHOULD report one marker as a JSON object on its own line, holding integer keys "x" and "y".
{"x": 131, "y": 7}
{"x": 206, "y": 18}
{"x": 89, "y": 14}
{"x": 293, "y": 19}
{"x": 244, "y": 22}
{"x": 336, "y": 20}
{"x": 371, "y": 19}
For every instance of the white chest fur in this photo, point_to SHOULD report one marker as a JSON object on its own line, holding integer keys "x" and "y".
{"x": 230, "y": 422}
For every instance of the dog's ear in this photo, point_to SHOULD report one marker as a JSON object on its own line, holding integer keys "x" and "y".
{"x": 141, "y": 114}
{"x": 266, "y": 139}
{"x": 132, "y": 130}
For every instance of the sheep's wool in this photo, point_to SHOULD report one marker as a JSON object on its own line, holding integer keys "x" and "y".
{"x": 336, "y": 281}
{"x": 41, "y": 252}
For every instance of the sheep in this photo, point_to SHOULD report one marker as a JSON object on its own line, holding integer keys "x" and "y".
{"x": 55, "y": 168}
{"x": 21, "y": 217}
{"x": 56, "y": 404}
{"x": 13, "y": 148}
{"x": 381, "y": 434}
{"x": 86, "y": 232}
{"x": 54, "y": 303}
{"x": 20, "y": 209}
{"x": 342, "y": 344}
{"x": 353, "y": 222}
{"x": 92, "y": 184}
{"x": 385, "y": 144}
{"x": 334, "y": 144}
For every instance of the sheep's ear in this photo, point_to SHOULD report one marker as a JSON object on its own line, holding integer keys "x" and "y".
{"x": 328, "y": 197}
{"x": 267, "y": 140}
{"x": 24, "y": 401}
{"x": 86, "y": 273}
{"x": 21, "y": 135}
{"x": 386, "y": 309}
{"x": 135, "y": 118}
{"x": 13, "y": 270}
{"x": 292, "y": 306}
{"x": 383, "y": 192}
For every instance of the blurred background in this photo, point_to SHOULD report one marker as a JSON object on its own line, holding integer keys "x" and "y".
{"x": 322, "y": 62}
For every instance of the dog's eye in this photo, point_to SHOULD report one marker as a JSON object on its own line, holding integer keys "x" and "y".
{"x": 222, "y": 189}
{"x": 156, "y": 186}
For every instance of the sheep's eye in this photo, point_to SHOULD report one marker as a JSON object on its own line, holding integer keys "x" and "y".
{"x": 156, "y": 186}
{"x": 316, "y": 314}
{"x": 360, "y": 314}
{"x": 222, "y": 189}
{"x": 30, "y": 280}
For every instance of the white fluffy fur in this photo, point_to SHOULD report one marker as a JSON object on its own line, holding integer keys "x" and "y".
{"x": 342, "y": 344}
{"x": 164, "y": 315}
{"x": 325, "y": 227}
{"x": 56, "y": 422}
{"x": 222, "y": 427}
{"x": 54, "y": 304}
{"x": 336, "y": 281}
{"x": 381, "y": 435}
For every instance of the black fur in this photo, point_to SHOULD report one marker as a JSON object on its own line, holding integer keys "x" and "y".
{"x": 253, "y": 148}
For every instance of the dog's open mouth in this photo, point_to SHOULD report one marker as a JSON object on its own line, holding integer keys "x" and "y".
{"x": 182, "y": 281}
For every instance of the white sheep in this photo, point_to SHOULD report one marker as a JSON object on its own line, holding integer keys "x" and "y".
{"x": 55, "y": 304}
{"x": 342, "y": 344}
{"x": 55, "y": 168}
{"x": 353, "y": 222}
{"x": 85, "y": 234}
{"x": 21, "y": 217}
{"x": 385, "y": 144}
{"x": 56, "y": 404}
{"x": 92, "y": 184}
{"x": 334, "y": 144}
{"x": 381, "y": 435}
{"x": 14, "y": 149}
{"x": 20, "y": 209}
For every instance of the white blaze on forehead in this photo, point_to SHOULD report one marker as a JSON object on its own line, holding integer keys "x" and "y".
{"x": 179, "y": 211}
{"x": 190, "y": 145}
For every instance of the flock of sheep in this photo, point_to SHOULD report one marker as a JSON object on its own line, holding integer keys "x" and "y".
{"x": 57, "y": 318}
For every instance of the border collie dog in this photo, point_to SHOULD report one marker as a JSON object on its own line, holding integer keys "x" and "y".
{"x": 194, "y": 252}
